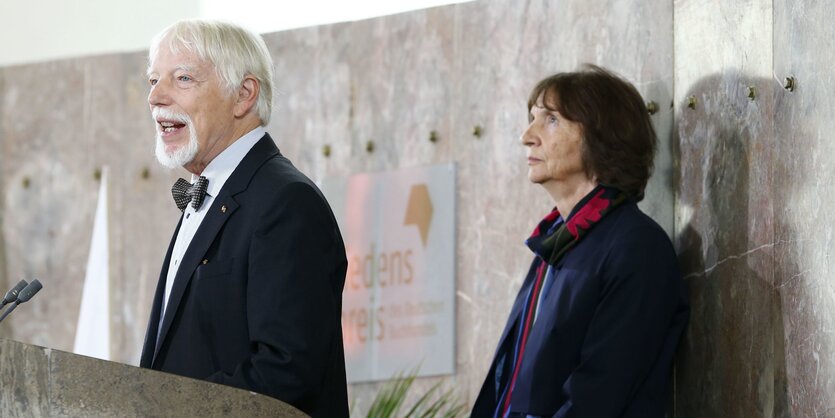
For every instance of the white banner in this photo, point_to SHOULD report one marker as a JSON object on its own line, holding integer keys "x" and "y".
{"x": 398, "y": 310}
{"x": 92, "y": 335}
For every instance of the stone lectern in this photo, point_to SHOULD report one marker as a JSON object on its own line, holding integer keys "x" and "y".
{"x": 41, "y": 382}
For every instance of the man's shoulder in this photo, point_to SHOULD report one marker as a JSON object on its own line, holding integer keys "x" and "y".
{"x": 277, "y": 171}
{"x": 278, "y": 178}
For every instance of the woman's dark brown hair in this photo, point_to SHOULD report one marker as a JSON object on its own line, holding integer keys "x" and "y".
{"x": 619, "y": 141}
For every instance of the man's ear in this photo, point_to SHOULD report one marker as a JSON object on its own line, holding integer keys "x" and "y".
{"x": 247, "y": 95}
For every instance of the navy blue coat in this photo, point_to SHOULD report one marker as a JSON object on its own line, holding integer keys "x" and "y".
{"x": 607, "y": 328}
{"x": 257, "y": 299}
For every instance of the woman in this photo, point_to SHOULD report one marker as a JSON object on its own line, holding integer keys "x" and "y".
{"x": 596, "y": 323}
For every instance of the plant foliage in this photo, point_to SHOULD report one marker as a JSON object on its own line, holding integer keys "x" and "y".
{"x": 432, "y": 404}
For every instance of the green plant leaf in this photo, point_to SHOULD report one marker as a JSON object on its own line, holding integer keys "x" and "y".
{"x": 431, "y": 404}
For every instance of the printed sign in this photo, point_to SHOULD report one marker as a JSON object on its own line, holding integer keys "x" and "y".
{"x": 398, "y": 310}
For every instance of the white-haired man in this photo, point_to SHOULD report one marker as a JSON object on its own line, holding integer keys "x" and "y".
{"x": 250, "y": 291}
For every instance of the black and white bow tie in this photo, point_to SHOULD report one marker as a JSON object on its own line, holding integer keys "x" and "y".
{"x": 185, "y": 192}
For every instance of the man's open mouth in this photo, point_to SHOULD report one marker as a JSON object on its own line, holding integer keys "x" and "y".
{"x": 169, "y": 127}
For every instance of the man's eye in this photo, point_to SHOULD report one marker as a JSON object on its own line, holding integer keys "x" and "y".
{"x": 184, "y": 78}
{"x": 552, "y": 119}
{"x": 152, "y": 81}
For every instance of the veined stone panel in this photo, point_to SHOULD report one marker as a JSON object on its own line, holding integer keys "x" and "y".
{"x": 50, "y": 189}
{"x": 730, "y": 363}
{"x": 380, "y": 80}
{"x": 752, "y": 177}
{"x": 3, "y": 274}
{"x": 296, "y": 119}
{"x": 92, "y": 114}
{"x": 391, "y": 80}
{"x": 804, "y": 168}
{"x": 24, "y": 371}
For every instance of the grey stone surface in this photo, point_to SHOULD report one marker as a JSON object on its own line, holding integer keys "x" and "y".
{"x": 751, "y": 178}
{"x": 24, "y": 380}
{"x": 83, "y": 386}
{"x": 93, "y": 115}
{"x": 390, "y": 80}
{"x": 49, "y": 188}
{"x": 736, "y": 227}
{"x": 804, "y": 44}
{"x": 730, "y": 360}
{"x": 36, "y": 381}
{"x": 3, "y": 277}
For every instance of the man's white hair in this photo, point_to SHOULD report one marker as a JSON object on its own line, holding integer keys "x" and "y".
{"x": 234, "y": 51}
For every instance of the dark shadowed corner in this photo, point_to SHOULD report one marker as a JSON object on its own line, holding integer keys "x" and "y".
{"x": 732, "y": 361}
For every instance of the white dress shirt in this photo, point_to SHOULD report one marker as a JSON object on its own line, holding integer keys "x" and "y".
{"x": 217, "y": 172}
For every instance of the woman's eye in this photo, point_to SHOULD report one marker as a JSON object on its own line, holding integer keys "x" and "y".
{"x": 184, "y": 78}
{"x": 552, "y": 119}
{"x": 152, "y": 81}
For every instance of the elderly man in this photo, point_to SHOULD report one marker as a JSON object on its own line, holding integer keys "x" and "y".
{"x": 250, "y": 290}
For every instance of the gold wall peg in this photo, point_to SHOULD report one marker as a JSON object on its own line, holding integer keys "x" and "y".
{"x": 752, "y": 93}
{"x": 326, "y": 150}
{"x": 652, "y": 107}
{"x": 478, "y": 131}
{"x": 691, "y": 102}
{"x": 433, "y": 137}
{"x": 790, "y": 84}
{"x": 369, "y": 146}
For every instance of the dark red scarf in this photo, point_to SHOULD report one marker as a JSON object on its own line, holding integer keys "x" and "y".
{"x": 588, "y": 212}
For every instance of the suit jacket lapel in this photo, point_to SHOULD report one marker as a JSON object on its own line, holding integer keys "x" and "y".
{"x": 516, "y": 310}
{"x": 512, "y": 319}
{"x": 149, "y": 348}
{"x": 215, "y": 219}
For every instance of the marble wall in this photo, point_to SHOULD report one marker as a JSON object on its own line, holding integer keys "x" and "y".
{"x": 751, "y": 192}
{"x": 740, "y": 183}
{"x": 725, "y": 218}
{"x": 65, "y": 123}
{"x": 803, "y": 169}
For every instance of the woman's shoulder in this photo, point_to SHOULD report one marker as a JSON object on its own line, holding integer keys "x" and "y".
{"x": 628, "y": 235}
{"x": 629, "y": 221}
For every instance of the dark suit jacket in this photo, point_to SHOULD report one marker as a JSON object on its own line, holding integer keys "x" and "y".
{"x": 257, "y": 299}
{"x": 607, "y": 328}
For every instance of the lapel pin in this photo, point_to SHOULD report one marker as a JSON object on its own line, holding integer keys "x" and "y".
{"x": 223, "y": 208}
{"x": 205, "y": 261}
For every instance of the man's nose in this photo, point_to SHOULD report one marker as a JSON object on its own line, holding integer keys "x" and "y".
{"x": 158, "y": 96}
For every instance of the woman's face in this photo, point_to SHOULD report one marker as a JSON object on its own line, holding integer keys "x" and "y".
{"x": 555, "y": 146}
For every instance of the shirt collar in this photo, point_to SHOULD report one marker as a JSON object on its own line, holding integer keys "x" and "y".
{"x": 222, "y": 166}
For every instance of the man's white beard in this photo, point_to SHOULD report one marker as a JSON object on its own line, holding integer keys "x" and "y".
{"x": 183, "y": 155}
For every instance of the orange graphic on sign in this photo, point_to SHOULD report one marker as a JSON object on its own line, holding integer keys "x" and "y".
{"x": 419, "y": 210}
